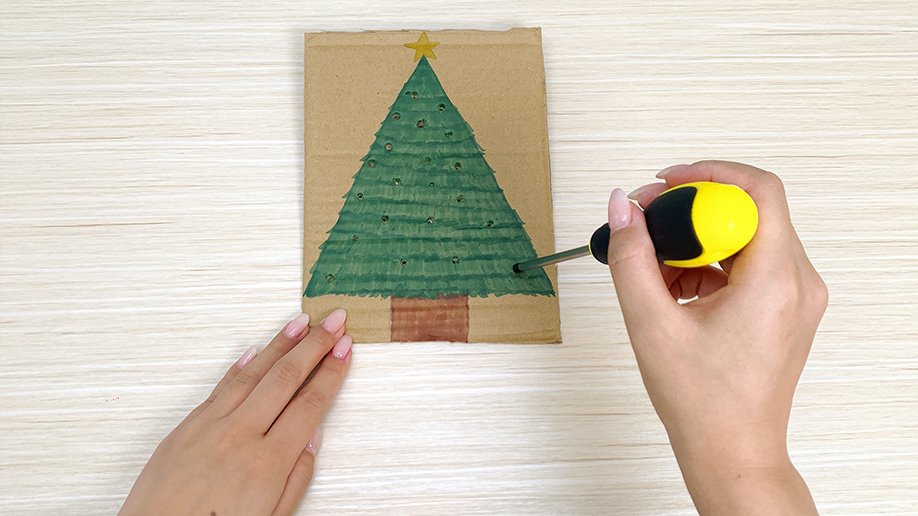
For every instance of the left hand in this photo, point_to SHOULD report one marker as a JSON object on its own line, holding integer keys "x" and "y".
{"x": 249, "y": 449}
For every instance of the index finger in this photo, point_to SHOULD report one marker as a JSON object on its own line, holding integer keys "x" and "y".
{"x": 275, "y": 390}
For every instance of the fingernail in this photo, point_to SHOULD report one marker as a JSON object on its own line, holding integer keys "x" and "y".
{"x": 342, "y": 347}
{"x": 334, "y": 321}
{"x": 315, "y": 441}
{"x": 296, "y": 327}
{"x": 661, "y": 174}
{"x": 619, "y": 210}
{"x": 247, "y": 357}
{"x": 638, "y": 191}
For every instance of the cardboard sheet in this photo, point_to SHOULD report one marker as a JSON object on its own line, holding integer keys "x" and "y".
{"x": 427, "y": 178}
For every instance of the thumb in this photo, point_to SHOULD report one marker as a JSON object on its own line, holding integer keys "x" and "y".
{"x": 641, "y": 290}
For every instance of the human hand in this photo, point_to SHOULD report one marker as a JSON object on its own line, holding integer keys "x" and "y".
{"x": 721, "y": 370}
{"x": 249, "y": 449}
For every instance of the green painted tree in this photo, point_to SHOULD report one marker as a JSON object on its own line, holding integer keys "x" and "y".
{"x": 425, "y": 217}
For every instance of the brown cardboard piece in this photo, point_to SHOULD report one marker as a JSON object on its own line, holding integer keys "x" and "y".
{"x": 497, "y": 82}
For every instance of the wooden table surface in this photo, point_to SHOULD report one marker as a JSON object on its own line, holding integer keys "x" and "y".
{"x": 151, "y": 164}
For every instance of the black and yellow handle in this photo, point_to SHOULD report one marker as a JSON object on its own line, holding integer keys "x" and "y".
{"x": 693, "y": 225}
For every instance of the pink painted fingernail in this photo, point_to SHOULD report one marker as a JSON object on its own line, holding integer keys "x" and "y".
{"x": 638, "y": 191}
{"x": 315, "y": 441}
{"x": 247, "y": 357}
{"x": 334, "y": 321}
{"x": 619, "y": 210}
{"x": 661, "y": 174}
{"x": 342, "y": 347}
{"x": 296, "y": 327}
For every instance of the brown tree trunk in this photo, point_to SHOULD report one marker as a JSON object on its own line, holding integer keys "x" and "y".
{"x": 421, "y": 319}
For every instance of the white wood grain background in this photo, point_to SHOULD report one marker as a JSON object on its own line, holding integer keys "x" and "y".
{"x": 150, "y": 192}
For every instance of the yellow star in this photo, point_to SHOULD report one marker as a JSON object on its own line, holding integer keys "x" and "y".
{"x": 423, "y": 47}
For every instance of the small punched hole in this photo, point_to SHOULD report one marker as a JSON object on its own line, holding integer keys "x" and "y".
{"x": 422, "y": 124}
{"x": 396, "y": 181}
{"x": 372, "y": 163}
{"x": 455, "y": 259}
{"x": 396, "y": 116}
{"x": 427, "y": 159}
{"x": 457, "y": 165}
{"x": 460, "y": 198}
{"x": 431, "y": 185}
{"x": 388, "y": 146}
{"x": 404, "y": 261}
{"x": 430, "y": 220}
{"x": 360, "y": 196}
{"x": 441, "y": 107}
{"x": 449, "y": 134}
{"x": 490, "y": 223}
{"x": 385, "y": 218}
{"x": 330, "y": 277}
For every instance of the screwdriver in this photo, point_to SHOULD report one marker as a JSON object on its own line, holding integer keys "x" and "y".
{"x": 690, "y": 225}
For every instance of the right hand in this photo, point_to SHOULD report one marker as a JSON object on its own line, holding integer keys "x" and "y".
{"x": 721, "y": 370}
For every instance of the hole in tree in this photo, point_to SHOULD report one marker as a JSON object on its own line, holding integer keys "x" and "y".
{"x": 422, "y": 124}
{"x": 396, "y": 181}
{"x": 372, "y": 163}
{"x": 396, "y": 116}
{"x": 388, "y": 146}
{"x": 441, "y": 107}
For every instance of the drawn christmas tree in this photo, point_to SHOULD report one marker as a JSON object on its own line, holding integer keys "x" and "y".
{"x": 425, "y": 222}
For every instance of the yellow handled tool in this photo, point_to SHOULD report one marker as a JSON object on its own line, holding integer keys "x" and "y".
{"x": 691, "y": 225}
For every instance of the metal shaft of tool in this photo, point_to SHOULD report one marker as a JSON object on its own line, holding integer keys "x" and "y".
{"x": 552, "y": 258}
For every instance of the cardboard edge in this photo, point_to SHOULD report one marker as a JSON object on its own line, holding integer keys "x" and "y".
{"x": 327, "y": 38}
